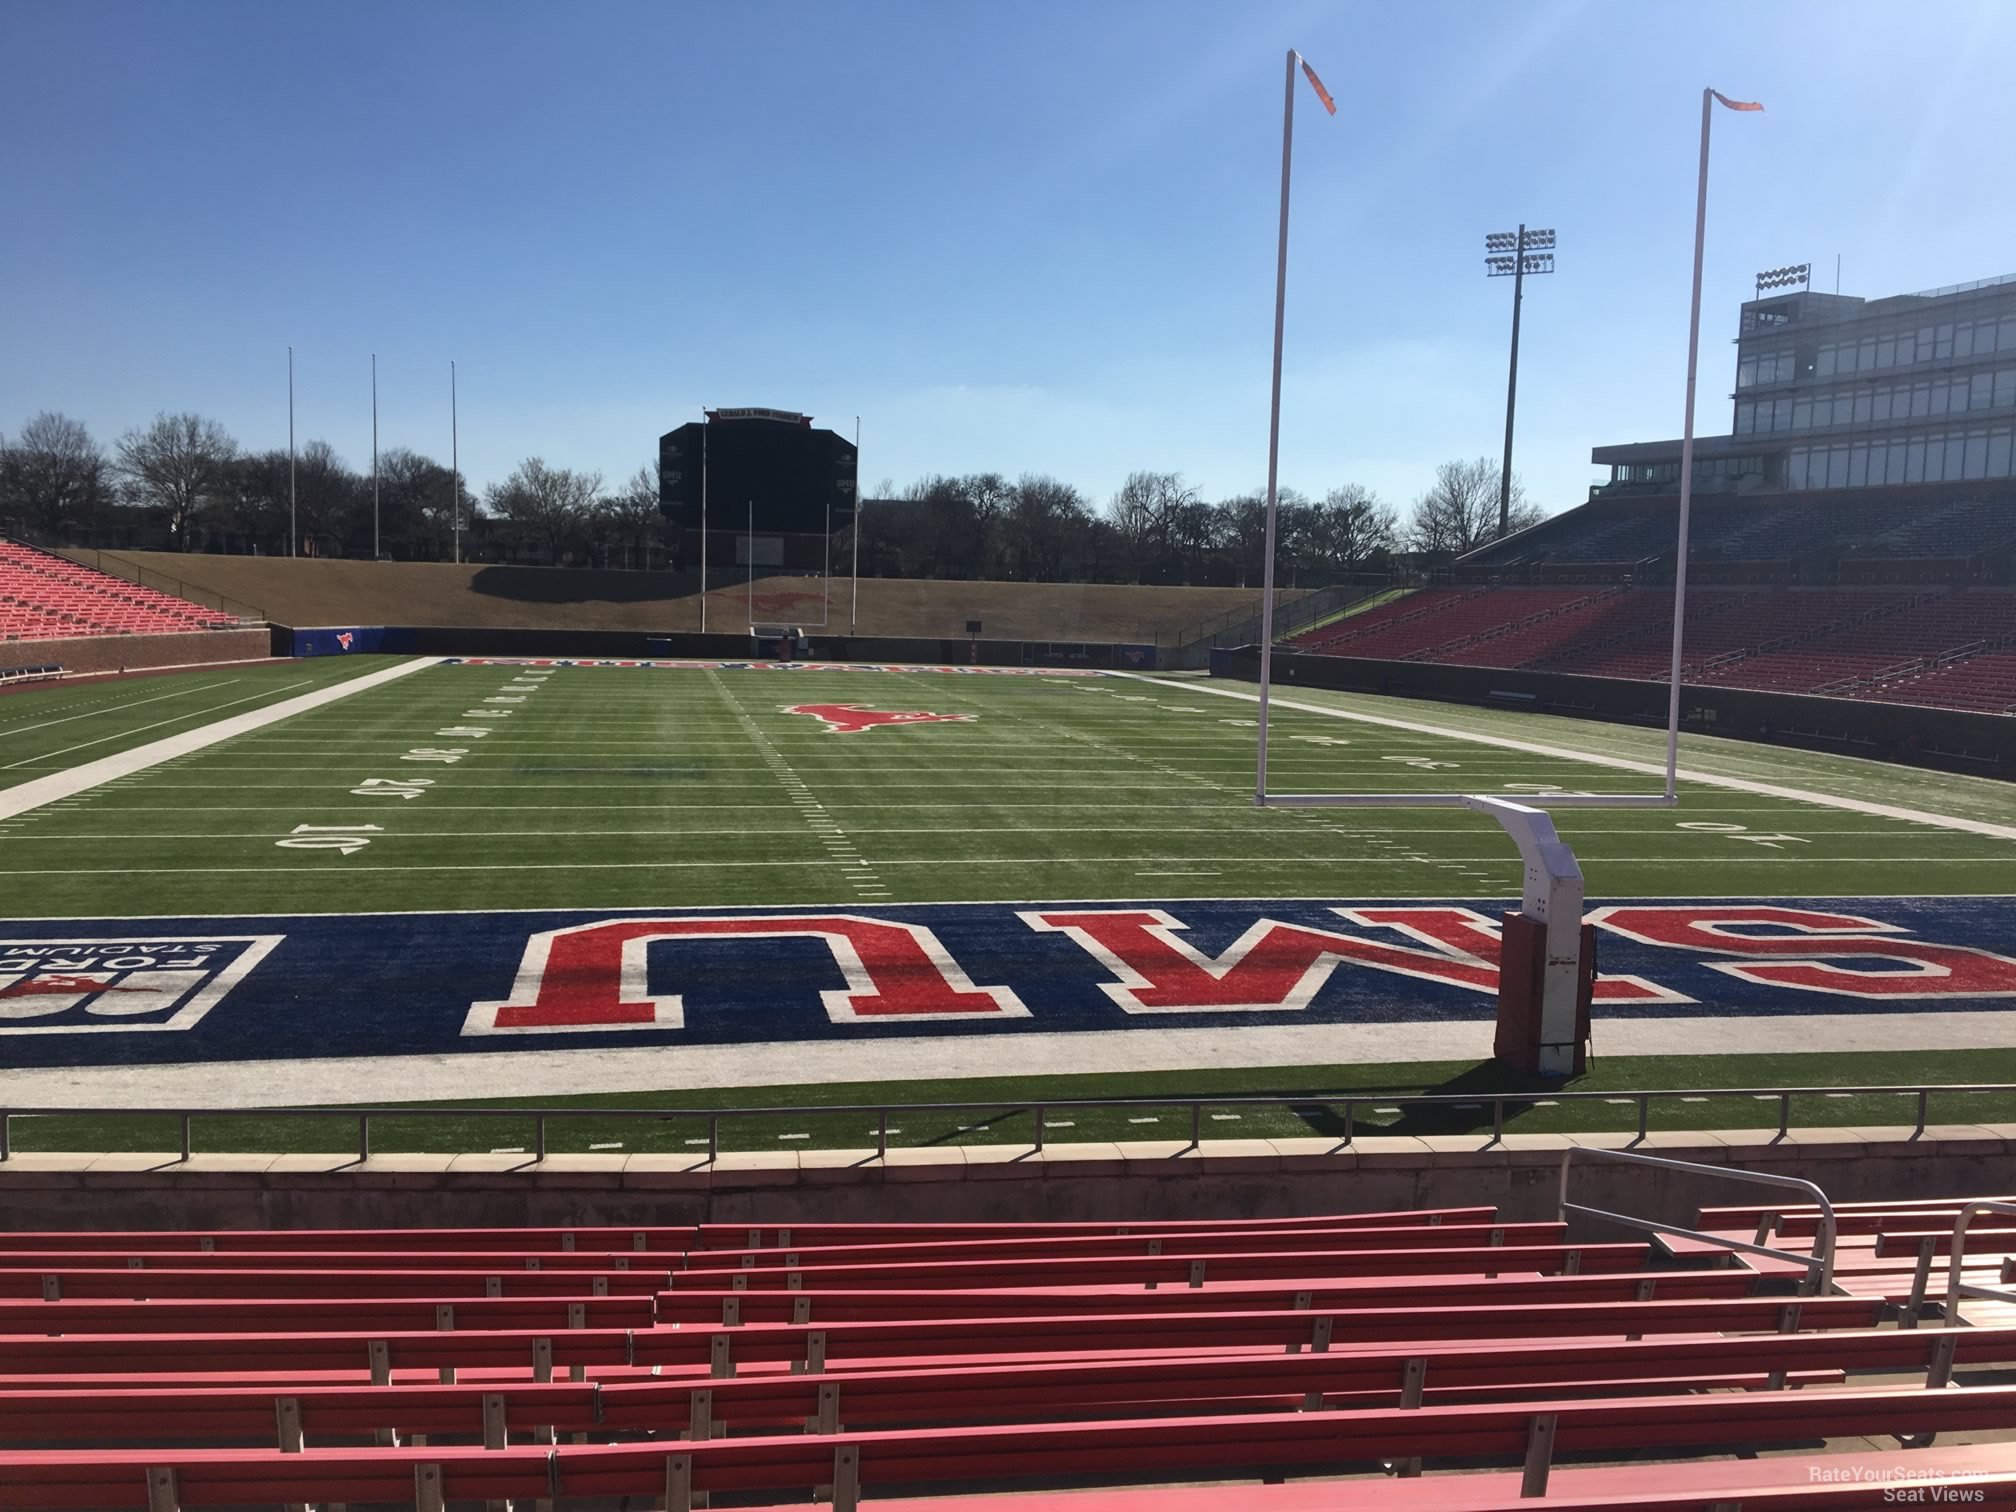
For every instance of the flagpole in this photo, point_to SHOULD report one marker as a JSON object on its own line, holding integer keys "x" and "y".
{"x": 375, "y": 552}
{"x": 703, "y": 525}
{"x": 455, "y": 457}
{"x": 1687, "y": 458}
{"x": 1274, "y": 436}
{"x": 291, "y": 548}
{"x": 854, "y": 607}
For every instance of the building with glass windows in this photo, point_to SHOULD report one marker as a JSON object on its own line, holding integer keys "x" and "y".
{"x": 1836, "y": 392}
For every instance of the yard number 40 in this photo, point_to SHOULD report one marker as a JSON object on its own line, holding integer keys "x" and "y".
{"x": 347, "y": 838}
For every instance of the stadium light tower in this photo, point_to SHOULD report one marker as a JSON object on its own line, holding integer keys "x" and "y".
{"x": 1513, "y": 255}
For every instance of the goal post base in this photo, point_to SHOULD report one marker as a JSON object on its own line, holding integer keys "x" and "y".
{"x": 1547, "y": 955}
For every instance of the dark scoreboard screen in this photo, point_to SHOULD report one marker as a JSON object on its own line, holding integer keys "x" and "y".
{"x": 798, "y": 480}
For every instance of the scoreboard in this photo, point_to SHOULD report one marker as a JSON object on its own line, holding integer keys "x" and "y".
{"x": 769, "y": 464}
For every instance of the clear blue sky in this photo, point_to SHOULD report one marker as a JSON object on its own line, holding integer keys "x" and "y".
{"x": 1014, "y": 236}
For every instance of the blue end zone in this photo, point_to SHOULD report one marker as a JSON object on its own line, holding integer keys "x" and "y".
{"x": 78, "y": 993}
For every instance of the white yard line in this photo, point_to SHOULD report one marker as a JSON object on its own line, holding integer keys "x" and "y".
{"x": 540, "y": 1073}
{"x": 114, "y": 707}
{"x": 67, "y": 784}
{"x": 1616, "y": 763}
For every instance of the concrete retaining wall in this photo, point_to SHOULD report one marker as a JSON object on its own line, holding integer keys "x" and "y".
{"x": 1231, "y": 1178}
{"x": 136, "y": 653}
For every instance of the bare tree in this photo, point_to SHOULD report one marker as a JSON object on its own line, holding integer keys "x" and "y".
{"x": 1146, "y": 512}
{"x": 177, "y": 466}
{"x": 1459, "y": 512}
{"x": 545, "y": 505}
{"x": 417, "y": 505}
{"x": 1044, "y": 523}
{"x": 1352, "y": 530}
{"x": 629, "y": 521}
{"x": 53, "y": 477}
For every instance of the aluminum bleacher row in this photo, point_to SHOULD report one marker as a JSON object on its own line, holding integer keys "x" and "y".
{"x": 1946, "y": 647}
{"x": 1420, "y": 1359}
{"x": 48, "y": 597}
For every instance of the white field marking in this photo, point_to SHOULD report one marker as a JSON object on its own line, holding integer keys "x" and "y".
{"x": 43, "y": 757}
{"x": 1779, "y": 865}
{"x": 310, "y": 1082}
{"x": 1624, "y": 764}
{"x": 115, "y": 707}
{"x": 61, "y": 785}
{"x": 858, "y": 874}
{"x": 1049, "y": 900}
{"x": 829, "y": 832}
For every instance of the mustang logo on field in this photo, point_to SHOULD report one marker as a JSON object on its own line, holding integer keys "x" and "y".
{"x": 852, "y": 719}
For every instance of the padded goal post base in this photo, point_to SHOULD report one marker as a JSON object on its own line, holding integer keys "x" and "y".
{"x": 1524, "y": 1042}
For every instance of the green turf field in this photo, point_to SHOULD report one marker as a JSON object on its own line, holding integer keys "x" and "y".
{"x": 659, "y": 788}
{"x": 492, "y": 787}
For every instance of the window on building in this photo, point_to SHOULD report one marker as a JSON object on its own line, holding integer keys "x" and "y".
{"x": 1963, "y": 340}
{"x": 1825, "y": 359}
{"x": 2005, "y": 388}
{"x": 1998, "y": 452}
{"x": 1975, "y": 464}
{"x": 1914, "y": 461}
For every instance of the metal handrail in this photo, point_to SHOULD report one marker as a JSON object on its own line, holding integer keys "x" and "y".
{"x": 1956, "y": 1287}
{"x": 1819, "y": 1265}
{"x": 1348, "y": 1105}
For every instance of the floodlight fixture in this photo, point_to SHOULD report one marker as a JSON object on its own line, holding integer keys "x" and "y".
{"x": 1511, "y": 254}
{"x": 1785, "y": 277}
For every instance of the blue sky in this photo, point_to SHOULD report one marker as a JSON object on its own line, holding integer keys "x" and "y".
{"x": 1026, "y": 236}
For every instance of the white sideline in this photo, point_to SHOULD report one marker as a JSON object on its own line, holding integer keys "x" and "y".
{"x": 1618, "y": 763}
{"x": 375, "y": 1079}
{"x": 32, "y": 795}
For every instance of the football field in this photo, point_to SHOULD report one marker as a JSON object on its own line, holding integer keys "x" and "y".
{"x": 426, "y": 880}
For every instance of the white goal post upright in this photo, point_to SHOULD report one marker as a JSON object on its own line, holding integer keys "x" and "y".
{"x": 1552, "y": 895}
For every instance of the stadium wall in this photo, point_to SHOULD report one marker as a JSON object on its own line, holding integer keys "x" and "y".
{"x": 1951, "y": 739}
{"x": 629, "y": 645}
{"x": 1238, "y": 1179}
{"x": 138, "y": 653}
